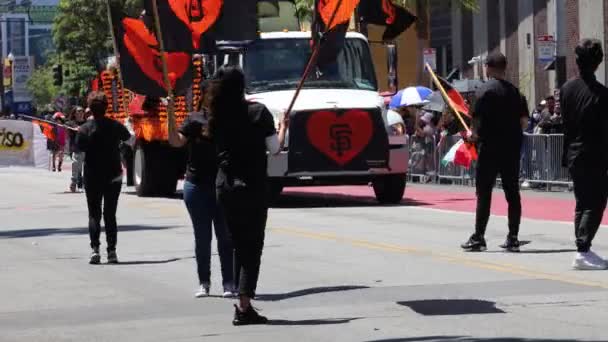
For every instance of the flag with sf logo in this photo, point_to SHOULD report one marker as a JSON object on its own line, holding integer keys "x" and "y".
{"x": 140, "y": 58}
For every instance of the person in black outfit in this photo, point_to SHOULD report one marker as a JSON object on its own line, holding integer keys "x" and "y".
{"x": 99, "y": 139}
{"x": 77, "y": 119}
{"x": 243, "y": 133}
{"x": 499, "y": 118}
{"x": 583, "y": 102}
{"x": 200, "y": 199}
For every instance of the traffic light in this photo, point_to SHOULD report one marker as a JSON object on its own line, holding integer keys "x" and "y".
{"x": 57, "y": 75}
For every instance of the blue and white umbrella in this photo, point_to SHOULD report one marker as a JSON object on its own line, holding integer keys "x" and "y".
{"x": 411, "y": 96}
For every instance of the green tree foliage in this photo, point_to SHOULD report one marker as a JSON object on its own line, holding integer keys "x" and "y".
{"x": 40, "y": 85}
{"x": 82, "y": 37}
{"x": 304, "y": 7}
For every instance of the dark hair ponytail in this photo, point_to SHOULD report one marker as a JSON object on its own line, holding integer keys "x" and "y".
{"x": 226, "y": 99}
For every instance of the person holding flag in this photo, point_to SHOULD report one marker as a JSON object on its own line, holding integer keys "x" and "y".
{"x": 499, "y": 117}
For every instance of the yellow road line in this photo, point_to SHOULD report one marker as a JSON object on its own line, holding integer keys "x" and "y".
{"x": 499, "y": 267}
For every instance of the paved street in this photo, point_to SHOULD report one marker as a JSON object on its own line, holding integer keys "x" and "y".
{"x": 335, "y": 268}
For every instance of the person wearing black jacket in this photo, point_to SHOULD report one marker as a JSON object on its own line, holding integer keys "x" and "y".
{"x": 243, "y": 133}
{"x": 99, "y": 139}
{"x": 499, "y": 117}
{"x": 584, "y": 102}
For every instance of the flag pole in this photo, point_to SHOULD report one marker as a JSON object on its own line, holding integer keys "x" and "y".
{"x": 117, "y": 55}
{"x": 46, "y": 121}
{"x": 446, "y": 97}
{"x": 313, "y": 58}
{"x": 163, "y": 57}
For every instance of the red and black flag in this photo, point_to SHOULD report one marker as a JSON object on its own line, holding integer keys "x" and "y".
{"x": 330, "y": 23}
{"x": 46, "y": 128}
{"x": 184, "y": 18}
{"x": 383, "y": 12}
{"x": 455, "y": 97}
{"x": 140, "y": 58}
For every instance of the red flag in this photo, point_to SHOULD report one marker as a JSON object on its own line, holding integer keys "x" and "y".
{"x": 465, "y": 155}
{"x": 140, "y": 59}
{"x": 457, "y": 100}
{"x": 179, "y": 18}
{"x": 336, "y": 12}
{"x": 46, "y": 128}
{"x": 383, "y": 12}
{"x": 330, "y": 24}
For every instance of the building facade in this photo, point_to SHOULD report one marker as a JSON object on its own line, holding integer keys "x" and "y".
{"x": 26, "y": 31}
{"x": 520, "y": 29}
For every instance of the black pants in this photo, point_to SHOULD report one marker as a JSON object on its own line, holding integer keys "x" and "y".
{"x": 591, "y": 193}
{"x": 245, "y": 211}
{"x": 489, "y": 166}
{"x": 107, "y": 193}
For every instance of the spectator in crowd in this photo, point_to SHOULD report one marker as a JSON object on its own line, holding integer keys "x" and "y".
{"x": 423, "y": 142}
{"x": 76, "y": 120}
{"x": 535, "y": 117}
{"x": 551, "y": 120}
{"x": 58, "y": 144}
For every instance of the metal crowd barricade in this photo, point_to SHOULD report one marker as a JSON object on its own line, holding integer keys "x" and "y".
{"x": 541, "y": 158}
{"x": 423, "y": 159}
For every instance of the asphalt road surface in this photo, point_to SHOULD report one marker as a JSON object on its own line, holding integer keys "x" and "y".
{"x": 335, "y": 268}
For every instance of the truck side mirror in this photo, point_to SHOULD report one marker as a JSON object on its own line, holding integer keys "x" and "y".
{"x": 391, "y": 63}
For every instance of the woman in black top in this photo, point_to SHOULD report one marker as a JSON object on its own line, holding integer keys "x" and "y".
{"x": 200, "y": 199}
{"x": 243, "y": 134}
{"x": 99, "y": 139}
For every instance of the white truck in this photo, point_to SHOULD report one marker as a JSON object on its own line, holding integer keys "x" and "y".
{"x": 340, "y": 131}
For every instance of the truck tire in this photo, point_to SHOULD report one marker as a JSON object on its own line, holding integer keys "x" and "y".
{"x": 389, "y": 189}
{"x": 154, "y": 173}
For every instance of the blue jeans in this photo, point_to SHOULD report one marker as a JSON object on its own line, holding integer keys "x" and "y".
{"x": 203, "y": 209}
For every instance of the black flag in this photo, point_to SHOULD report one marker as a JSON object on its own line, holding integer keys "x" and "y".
{"x": 383, "y": 12}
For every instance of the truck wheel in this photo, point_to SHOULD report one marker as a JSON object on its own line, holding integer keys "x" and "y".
{"x": 389, "y": 189}
{"x": 153, "y": 172}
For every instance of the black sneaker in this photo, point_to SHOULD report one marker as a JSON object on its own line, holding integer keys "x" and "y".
{"x": 474, "y": 244}
{"x": 250, "y": 316}
{"x": 95, "y": 258}
{"x": 511, "y": 245}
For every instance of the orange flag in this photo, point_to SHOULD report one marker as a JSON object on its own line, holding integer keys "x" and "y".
{"x": 343, "y": 9}
{"x": 46, "y": 128}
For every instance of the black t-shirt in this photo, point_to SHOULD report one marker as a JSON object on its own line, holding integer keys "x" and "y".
{"x": 583, "y": 103}
{"x": 100, "y": 140}
{"x": 241, "y": 145}
{"x": 202, "y": 162}
{"x": 498, "y": 112}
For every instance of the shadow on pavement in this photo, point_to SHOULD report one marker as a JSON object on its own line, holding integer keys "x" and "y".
{"x": 548, "y": 251}
{"x": 473, "y": 339}
{"x": 452, "y": 307}
{"x": 329, "y": 321}
{"x": 306, "y": 292}
{"x": 28, "y": 233}
{"x": 150, "y": 262}
{"x": 294, "y": 200}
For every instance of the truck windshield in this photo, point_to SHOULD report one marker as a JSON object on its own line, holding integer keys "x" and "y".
{"x": 278, "y": 64}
